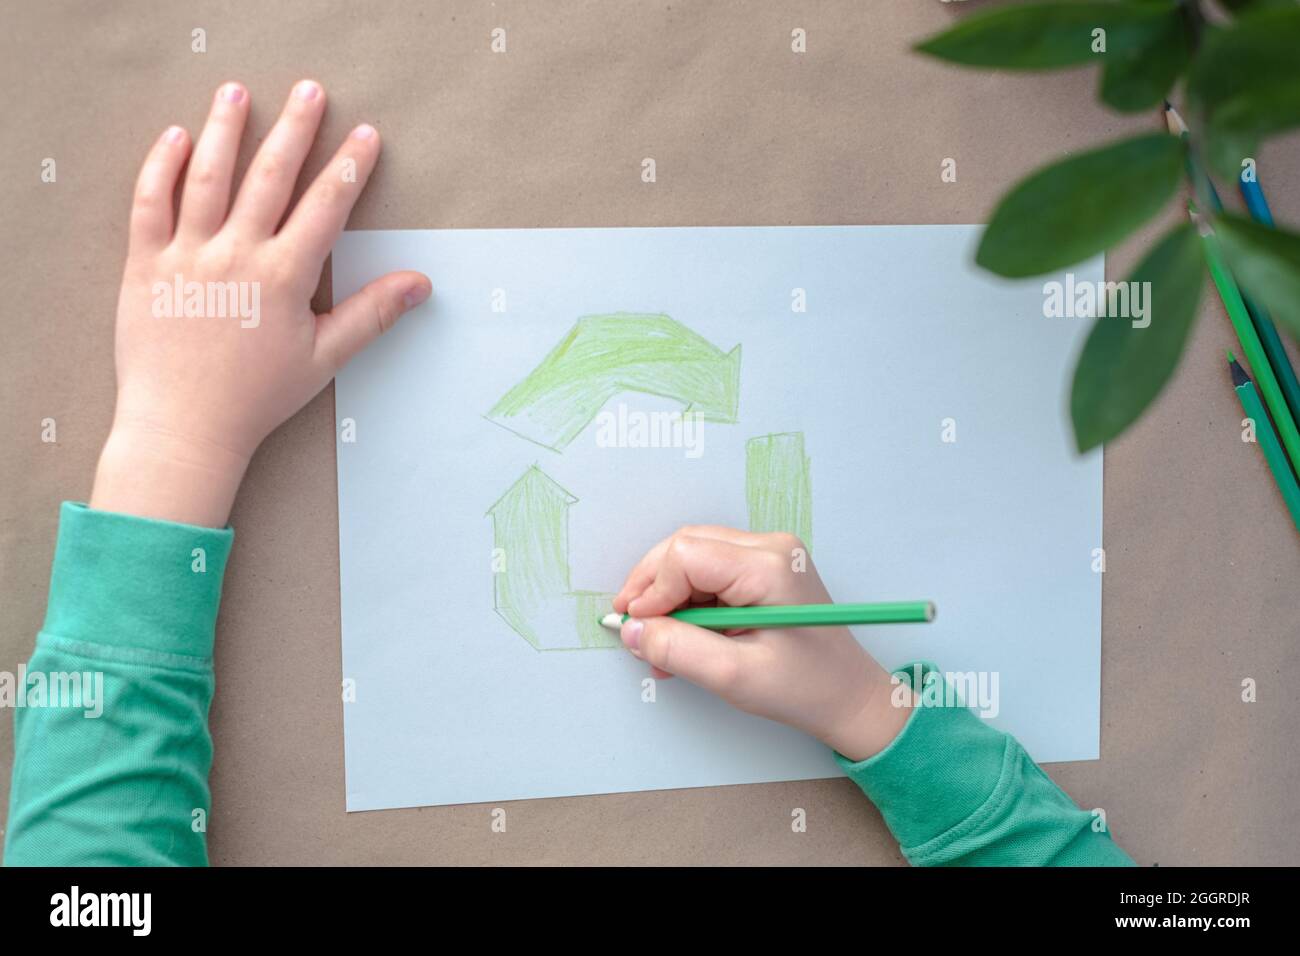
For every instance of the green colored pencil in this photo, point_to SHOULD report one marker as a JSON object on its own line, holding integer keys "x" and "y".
{"x": 1278, "y": 361}
{"x": 1253, "y": 193}
{"x": 1251, "y": 345}
{"x": 796, "y": 615}
{"x": 1266, "y": 438}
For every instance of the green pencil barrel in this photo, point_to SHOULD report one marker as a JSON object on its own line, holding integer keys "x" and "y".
{"x": 1277, "y": 357}
{"x": 808, "y": 615}
{"x": 1252, "y": 191}
{"x": 1266, "y": 438}
{"x": 1254, "y": 349}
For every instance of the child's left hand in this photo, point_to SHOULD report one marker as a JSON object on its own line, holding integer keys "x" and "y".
{"x": 196, "y": 394}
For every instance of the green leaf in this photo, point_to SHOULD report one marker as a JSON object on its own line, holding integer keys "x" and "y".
{"x": 1237, "y": 128}
{"x": 1138, "y": 79}
{"x": 1043, "y": 36}
{"x": 1122, "y": 369}
{"x": 1266, "y": 264}
{"x": 1081, "y": 205}
{"x": 1245, "y": 83}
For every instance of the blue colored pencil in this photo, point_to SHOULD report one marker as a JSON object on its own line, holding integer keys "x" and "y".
{"x": 1274, "y": 350}
{"x": 1253, "y": 193}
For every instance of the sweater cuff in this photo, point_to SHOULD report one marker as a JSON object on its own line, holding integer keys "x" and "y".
{"x": 940, "y": 769}
{"x": 134, "y": 582}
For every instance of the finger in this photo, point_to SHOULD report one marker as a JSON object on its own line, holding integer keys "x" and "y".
{"x": 207, "y": 183}
{"x": 315, "y": 223}
{"x": 361, "y": 318}
{"x": 151, "y": 207}
{"x": 268, "y": 184}
{"x": 697, "y": 598}
{"x": 643, "y": 574}
{"x": 737, "y": 574}
{"x": 702, "y": 657}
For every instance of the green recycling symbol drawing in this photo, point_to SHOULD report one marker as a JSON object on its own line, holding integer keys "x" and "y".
{"x": 601, "y": 357}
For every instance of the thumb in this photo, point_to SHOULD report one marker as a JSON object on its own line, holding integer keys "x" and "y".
{"x": 361, "y": 318}
{"x": 701, "y": 656}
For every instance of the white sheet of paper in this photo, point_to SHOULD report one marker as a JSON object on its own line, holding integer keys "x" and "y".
{"x": 901, "y": 332}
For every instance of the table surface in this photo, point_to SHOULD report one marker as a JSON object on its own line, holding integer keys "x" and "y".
{"x": 1202, "y": 563}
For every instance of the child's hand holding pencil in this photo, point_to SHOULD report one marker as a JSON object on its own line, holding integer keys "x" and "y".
{"x": 816, "y": 679}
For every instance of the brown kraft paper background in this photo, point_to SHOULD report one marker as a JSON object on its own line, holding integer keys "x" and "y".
{"x": 1203, "y": 566}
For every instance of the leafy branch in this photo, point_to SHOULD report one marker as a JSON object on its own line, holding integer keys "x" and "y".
{"x": 1240, "y": 78}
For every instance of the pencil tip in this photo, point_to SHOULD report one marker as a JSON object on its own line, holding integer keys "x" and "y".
{"x": 1174, "y": 120}
{"x": 1239, "y": 376}
{"x": 613, "y": 621}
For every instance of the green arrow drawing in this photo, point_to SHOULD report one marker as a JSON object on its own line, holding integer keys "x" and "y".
{"x": 778, "y": 485}
{"x": 604, "y": 355}
{"x": 530, "y": 525}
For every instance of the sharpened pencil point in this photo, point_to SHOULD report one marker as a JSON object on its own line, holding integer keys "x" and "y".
{"x": 1239, "y": 376}
{"x": 1173, "y": 120}
{"x": 613, "y": 621}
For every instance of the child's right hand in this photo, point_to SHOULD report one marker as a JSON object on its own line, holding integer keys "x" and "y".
{"x": 818, "y": 680}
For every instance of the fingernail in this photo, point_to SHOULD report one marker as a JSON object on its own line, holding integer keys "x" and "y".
{"x": 631, "y": 633}
{"x": 232, "y": 93}
{"x": 364, "y": 131}
{"x": 306, "y": 90}
{"x": 416, "y": 294}
{"x": 174, "y": 135}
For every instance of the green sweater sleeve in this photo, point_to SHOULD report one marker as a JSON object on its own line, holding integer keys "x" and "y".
{"x": 956, "y": 792}
{"x": 112, "y": 751}
{"x": 111, "y": 757}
